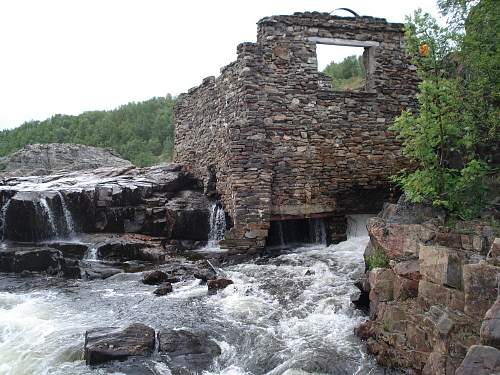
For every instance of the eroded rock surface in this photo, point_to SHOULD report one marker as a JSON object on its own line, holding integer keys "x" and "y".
{"x": 45, "y": 159}
{"x": 426, "y": 306}
{"x": 185, "y": 349}
{"x": 111, "y": 343}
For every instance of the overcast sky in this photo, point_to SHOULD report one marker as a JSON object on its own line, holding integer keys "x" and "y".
{"x": 70, "y": 56}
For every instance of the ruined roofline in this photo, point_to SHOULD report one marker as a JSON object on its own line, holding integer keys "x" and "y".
{"x": 320, "y": 17}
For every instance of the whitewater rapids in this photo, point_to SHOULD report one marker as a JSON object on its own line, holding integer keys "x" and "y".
{"x": 289, "y": 315}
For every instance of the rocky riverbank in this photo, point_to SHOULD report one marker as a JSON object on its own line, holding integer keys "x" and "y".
{"x": 432, "y": 292}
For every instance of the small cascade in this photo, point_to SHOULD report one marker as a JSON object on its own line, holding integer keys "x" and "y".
{"x": 68, "y": 218}
{"x": 356, "y": 225}
{"x": 47, "y": 212}
{"x": 91, "y": 254}
{"x": 317, "y": 231}
{"x": 3, "y": 212}
{"x": 217, "y": 225}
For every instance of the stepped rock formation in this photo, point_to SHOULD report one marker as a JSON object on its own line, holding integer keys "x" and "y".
{"x": 45, "y": 159}
{"x": 437, "y": 299}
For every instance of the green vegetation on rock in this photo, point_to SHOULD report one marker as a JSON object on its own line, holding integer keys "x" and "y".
{"x": 377, "y": 259}
{"x": 347, "y": 75}
{"x": 454, "y": 138}
{"x": 140, "y": 132}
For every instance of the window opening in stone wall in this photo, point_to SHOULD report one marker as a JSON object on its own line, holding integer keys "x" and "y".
{"x": 345, "y": 65}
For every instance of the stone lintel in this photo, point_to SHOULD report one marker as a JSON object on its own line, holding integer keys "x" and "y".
{"x": 343, "y": 42}
{"x": 302, "y": 211}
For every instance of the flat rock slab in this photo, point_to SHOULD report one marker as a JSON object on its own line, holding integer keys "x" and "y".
{"x": 111, "y": 343}
{"x": 188, "y": 350}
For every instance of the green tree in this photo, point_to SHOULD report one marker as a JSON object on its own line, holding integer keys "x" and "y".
{"x": 349, "y": 74}
{"x": 444, "y": 137}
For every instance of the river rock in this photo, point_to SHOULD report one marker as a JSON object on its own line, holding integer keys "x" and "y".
{"x": 194, "y": 352}
{"x": 164, "y": 289}
{"x": 155, "y": 278}
{"x": 19, "y": 259}
{"x": 218, "y": 284}
{"x": 480, "y": 360}
{"x": 111, "y": 343}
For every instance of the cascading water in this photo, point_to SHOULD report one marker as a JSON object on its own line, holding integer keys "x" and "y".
{"x": 217, "y": 225}
{"x": 91, "y": 254}
{"x": 47, "y": 212}
{"x": 288, "y": 315}
{"x": 317, "y": 231}
{"x": 68, "y": 217}
{"x": 3, "y": 213}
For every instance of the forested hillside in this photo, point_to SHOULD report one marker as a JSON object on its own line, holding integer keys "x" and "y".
{"x": 349, "y": 74}
{"x": 140, "y": 132}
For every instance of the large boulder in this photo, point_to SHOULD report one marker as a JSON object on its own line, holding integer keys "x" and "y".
{"x": 45, "y": 159}
{"x": 480, "y": 360}
{"x": 185, "y": 349}
{"x": 111, "y": 343}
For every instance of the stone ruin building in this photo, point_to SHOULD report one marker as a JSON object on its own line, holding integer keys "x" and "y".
{"x": 278, "y": 145}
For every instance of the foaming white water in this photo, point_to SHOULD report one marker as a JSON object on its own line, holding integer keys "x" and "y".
{"x": 291, "y": 315}
{"x": 297, "y": 306}
{"x": 30, "y": 334}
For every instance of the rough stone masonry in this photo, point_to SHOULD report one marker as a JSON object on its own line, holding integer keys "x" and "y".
{"x": 276, "y": 142}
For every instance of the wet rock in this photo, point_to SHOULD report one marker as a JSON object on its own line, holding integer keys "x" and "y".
{"x": 490, "y": 329}
{"x": 194, "y": 352}
{"x": 110, "y": 344}
{"x": 364, "y": 331}
{"x": 218, "y": 284}
{"x": 155, "y": 278}
{"x": 204, "y": 274}
{"x": 70, "y": 249}
{"x": 98, "y": 270}
{"x": 31, "y": 259}
{"x": 164, "y": 289}
{"x": 188, "y": 216}
{"x": 128, "y": 247}
{"x": 480, "y": 360}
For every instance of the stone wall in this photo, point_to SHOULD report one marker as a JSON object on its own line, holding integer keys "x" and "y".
{"x": 279, "y": 143}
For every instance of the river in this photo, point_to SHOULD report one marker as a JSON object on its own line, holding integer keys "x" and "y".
{"x": 289, "y": 315}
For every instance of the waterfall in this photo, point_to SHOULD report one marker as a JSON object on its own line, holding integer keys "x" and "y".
{"x": 68, "y": 218}
{"x": 3, "y": 213}
{"x": 356, "y": 225}
{"x": 317, "y": 231}
{"x": 91, "y": 254}
{"x": 217, "y": 225}
{"x": 49, "y": 215}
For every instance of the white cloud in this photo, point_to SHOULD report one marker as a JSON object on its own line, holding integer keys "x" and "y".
{"x": 60, "y": 56}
